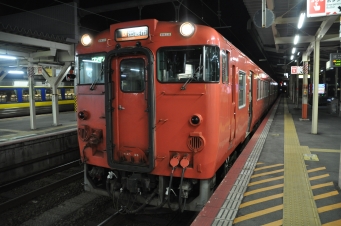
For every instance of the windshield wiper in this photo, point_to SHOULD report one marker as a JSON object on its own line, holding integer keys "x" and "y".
{"x": 183, "y": 87}
{"x": 93, "y": 85}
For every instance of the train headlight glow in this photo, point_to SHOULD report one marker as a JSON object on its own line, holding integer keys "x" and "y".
{"x": 187, "y": 29}
{"x": 86, "y": 40}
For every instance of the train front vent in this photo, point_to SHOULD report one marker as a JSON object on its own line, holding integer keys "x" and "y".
{"x": 195, "y": 143}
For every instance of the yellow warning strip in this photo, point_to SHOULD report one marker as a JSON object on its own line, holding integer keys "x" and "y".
{"x": 265, "y": 180}
{"x": 322, "y": 185}
{"x": 319, "y": 177}
{"x": 263, "y": 189}
{"x": 329, "y": 208}
{"x": 256, "y": 201}
{"x": 267, "y": 167}
{"x": 258, "y": 213}
{"x": 333, "y": 223}
{"x": 326, "y": 195}
{"x": 316, "y": 169}
{"x": 298, "y": 201}
{"x": 259, "y": 163}
{"x": 325, "y": 150}
{"x": 275, "y": 223}
{"x": 267, "y": 173}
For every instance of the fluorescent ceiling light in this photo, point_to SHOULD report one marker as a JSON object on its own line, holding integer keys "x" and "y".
{"x": 301, "y": 20}
{"x": 292, "y": 57}
{"x": 7, "y": 57}
{"x": 296, "y": 39}
{"x": 293, "y": 50}
{"x": 16, "y": 72}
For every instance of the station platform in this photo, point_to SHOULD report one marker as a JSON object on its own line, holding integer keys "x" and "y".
{"x": 16, "y": 128}
{"x": 285, "y": 175}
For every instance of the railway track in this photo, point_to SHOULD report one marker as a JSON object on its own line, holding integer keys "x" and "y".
{"x": 52, "y": 185}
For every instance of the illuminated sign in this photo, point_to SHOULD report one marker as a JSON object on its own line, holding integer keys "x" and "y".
{"x": 133, "y": 33}
{"x": 296, "y": 70}
{"x": 98, "y": 59}
{"x": 317, "y": 8}
{"x": 335, "y": 59}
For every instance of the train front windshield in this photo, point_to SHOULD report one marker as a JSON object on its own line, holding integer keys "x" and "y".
{"x": 179, "y": 64}
{"x": 91, "y": 69}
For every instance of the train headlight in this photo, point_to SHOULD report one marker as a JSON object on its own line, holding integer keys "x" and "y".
{"x": 86, "y": 40}
{"x": 83, "y": 115}
{"x": 195, "y": 120}
{"x": 187, "y": 29}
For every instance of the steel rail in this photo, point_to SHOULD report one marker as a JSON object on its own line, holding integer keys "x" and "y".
{"x": 26, "y": 197}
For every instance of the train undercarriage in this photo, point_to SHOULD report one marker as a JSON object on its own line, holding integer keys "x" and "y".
{"x": 134, "y": 192}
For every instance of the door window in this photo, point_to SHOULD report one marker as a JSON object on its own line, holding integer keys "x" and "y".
{"x": 132, "y": 75}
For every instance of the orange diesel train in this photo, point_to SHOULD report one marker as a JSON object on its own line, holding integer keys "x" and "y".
{"x": 162, "y": 106}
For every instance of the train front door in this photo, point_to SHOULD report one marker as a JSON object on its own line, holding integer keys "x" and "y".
{"x": 130, "y": 118}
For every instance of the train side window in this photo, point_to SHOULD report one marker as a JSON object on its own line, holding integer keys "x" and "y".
{"x": 242, "y": 90}
{"x": 225, "y": 67}
{"x": 132, "y": 75}
{"x": 258, "y": 89}
{"x": 212, "y": 70}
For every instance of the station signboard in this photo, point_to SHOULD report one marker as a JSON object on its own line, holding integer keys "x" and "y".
{"x": 335, "y": 59}
{"x": 296, "y": 70}
{"x": 317, "y": 8}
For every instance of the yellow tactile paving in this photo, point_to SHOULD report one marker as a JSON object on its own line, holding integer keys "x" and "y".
{"x": 299, "y": 207}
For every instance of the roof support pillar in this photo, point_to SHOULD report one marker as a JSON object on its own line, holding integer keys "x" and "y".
{"x": 316, "y": 73}
{"x": 305, "y": 88}
{"x": 31, "y": 97}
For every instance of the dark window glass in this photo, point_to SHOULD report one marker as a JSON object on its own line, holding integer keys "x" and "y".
{"x": 132, "y": 75}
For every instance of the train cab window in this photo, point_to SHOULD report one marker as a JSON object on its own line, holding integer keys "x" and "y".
{"x": 188, "y": 63}
{"x": 242, "y": 90}
{"x": 132, "y": 75}
{"x": 91, "y": 69}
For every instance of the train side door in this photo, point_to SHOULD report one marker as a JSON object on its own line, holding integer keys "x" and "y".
{"x": 130, "y": 121}
{"x": 250, "y": 100}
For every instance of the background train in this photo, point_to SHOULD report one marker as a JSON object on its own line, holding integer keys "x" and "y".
{"x": 162, "y": 106}
{"x": 14, "y": 100}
